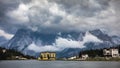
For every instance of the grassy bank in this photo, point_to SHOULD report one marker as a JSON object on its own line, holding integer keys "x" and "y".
{"x": 102, "y": 59}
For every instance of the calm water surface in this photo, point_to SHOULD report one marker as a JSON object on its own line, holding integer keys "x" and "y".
{"x": 58, "y": 64}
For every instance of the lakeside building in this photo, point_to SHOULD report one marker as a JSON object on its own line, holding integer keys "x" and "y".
{"x": 19, "y": 58}
{"x": 72, "y": 58}
{"x": 4, "y": 50}
{"x": 111, "y": 52}
{"x": 47, "y": 56}
{"x": 84, "y": 56}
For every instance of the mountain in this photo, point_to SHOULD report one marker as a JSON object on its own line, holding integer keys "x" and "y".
{"x": 108, "y": 41}
{"x": 3, "y": 41}
{"x": 95, "y": 39}
{"x": 11, "y": 55}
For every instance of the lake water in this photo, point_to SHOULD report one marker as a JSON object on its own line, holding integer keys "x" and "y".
{"x": 58, "y": 64}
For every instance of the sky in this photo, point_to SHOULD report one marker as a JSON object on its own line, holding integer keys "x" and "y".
{"x": 59, "y": 16}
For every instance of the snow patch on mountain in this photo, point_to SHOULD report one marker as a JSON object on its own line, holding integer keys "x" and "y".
{"x": 91, "y": 38}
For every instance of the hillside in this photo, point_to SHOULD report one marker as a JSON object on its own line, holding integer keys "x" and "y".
{"x": 6, "y": 54}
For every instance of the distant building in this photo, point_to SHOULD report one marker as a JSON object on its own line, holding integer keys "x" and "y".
{"x": 71, "y": 58}
{"x": 47, "y": 56}
{"x": 20, "y": 57}
{"x": 4, "y": 50}
{"x": 84, "y": 56}
{"x": 111, "y": 52}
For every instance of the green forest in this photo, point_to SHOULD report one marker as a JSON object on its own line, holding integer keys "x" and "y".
{"x": 12, "y": 55}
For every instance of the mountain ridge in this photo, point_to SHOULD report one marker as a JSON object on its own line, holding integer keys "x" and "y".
{"x": 24, "y": 37}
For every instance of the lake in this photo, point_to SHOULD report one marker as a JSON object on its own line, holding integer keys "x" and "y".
{"x": 58, "y": 64}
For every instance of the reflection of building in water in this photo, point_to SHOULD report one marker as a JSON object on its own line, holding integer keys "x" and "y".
{"x": 112, "y": 52}
{"x": 47, "y": 56}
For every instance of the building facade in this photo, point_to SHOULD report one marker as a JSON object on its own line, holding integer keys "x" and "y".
{"x": 112, "y": 52}
{"x": 47, "y": 56}
{"x": 84, "y": 56}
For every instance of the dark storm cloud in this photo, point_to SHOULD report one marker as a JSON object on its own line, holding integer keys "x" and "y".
{"x": 60, "y": 15}
{"x": 84, "y": 7}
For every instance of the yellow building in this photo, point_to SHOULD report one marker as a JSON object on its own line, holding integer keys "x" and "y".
{"x": 47, "y": 56}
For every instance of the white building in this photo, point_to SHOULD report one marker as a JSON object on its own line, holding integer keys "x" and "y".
{"x": 112, "y": 52}
{"x": 3, "y": 50}
{"x": 71, "y": 58}
{"x": 84, "y": 56}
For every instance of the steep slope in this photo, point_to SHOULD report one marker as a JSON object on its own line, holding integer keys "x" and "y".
{"x": 21, "y": 40}
{"x": 108, "y": 41}
{"x": 3, "y": 41}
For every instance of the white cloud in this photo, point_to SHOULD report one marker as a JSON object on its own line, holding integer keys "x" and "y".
{"x": 55, "y": 9}
{"x": 6, "y": 35}
{"x": 68, "y": 15}
{"x": 67, "y": 43}
{"x": 20, "y": 14}
{"x": 62, "y": 43}
{"x": 36, "y": 48}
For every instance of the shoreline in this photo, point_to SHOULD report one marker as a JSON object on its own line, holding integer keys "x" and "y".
{"x": 68, "y": 60}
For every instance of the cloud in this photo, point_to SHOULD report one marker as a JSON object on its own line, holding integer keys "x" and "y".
{"x": 36, "y": 48}
{"x": 63, "y": 43}
{"x": 20, "y": 14}
{"x": 6, "y": 35}
{"x": 64, "y": 15}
